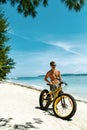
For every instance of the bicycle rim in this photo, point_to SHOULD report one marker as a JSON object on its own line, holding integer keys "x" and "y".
{"x": 44, "y": 100}
{"x": 63, "y": 106}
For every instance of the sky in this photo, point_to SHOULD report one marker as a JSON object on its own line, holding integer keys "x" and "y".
{"x": 56, "y": 34}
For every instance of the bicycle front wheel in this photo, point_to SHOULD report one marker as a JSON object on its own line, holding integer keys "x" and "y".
{"x": 64, "y": 106}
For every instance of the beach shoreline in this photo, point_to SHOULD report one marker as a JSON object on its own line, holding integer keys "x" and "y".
{"x": 32, "y": 87}
{"x": 75, "y": 88}
{"x": 19, "y": 109}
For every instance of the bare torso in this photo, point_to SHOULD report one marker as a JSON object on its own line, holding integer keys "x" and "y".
{"x": 54, "y": 75}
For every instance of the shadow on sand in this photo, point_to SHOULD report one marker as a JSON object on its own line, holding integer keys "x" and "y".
{"x": 50, "y": 112}
{"x": 5, "y": 124}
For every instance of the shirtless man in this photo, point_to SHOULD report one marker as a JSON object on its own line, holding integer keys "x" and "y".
{"x": 53, "y": 76}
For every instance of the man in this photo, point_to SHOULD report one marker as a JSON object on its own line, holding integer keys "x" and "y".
{"x": 53, "y": 76}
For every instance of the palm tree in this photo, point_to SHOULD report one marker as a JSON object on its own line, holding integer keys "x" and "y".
{"x": 74, "y": 4}
{"x": 28, "y": 7}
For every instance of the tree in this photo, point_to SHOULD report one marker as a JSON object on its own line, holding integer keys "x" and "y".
{"x": 6, "y": 63}
{"x": 74, "y": 4}
{"x": 28, "y": 7}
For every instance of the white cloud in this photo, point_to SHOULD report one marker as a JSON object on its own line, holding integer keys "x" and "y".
{"x": 82, "y": 60}
{"x": 66, "y": 46}
{"x": 38, "y": 63}
{"x": 10, "y": 31}
{"x": 35, "y": 63}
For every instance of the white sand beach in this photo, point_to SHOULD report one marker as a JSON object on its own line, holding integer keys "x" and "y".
{"x": 19, "y": 110}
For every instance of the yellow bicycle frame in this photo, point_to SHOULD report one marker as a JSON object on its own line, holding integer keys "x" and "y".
{"x": 55, "y": 93}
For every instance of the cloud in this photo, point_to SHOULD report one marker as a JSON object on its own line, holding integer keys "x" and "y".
{"x": 37, "y": 62}
{"x": 20, "y": 36}
{"x": 66, "y": 46}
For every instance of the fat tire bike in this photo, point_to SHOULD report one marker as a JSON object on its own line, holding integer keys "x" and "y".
{"x": 64, "y": 104}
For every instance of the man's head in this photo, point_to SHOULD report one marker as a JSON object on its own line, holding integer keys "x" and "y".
{"x": 52, "y": 63}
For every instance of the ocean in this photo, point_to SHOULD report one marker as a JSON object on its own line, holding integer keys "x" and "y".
{"x": 77, "y": 84}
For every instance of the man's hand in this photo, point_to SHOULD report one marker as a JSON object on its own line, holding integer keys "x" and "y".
{"x": 50, "y": 83}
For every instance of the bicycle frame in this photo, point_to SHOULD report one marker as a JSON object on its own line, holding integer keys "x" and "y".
{"x": 55, "y": 93}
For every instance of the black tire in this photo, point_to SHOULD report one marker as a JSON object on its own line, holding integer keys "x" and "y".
{"x": 62, "y": 102}
{"x": 42, "y": 100}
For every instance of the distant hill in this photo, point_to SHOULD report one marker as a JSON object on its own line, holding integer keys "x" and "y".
{"x": 42, "y": 76}
{"x": 74, "y": 74}
{"x": 67, "y": 74}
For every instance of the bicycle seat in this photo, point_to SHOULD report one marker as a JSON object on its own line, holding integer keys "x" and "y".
{"x": 48, "y": 84}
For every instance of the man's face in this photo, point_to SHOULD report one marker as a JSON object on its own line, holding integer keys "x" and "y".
{"x": 53, "y": 66}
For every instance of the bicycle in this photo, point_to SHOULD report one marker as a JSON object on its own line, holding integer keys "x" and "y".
{"x": 64, "y": 104}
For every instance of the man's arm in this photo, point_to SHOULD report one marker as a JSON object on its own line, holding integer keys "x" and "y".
{"x": 46, "y": 78}
{"x": 60, "y": 78}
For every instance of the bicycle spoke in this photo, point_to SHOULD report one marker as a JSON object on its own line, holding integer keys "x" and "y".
{"x": 64, "y": 106}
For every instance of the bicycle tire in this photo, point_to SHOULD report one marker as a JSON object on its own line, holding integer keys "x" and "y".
{"x": 41, "y": 100}
{"x": 58, "y": 100}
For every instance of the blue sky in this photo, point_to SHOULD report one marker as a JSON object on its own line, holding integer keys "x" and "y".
{"x": 55, "y": 34}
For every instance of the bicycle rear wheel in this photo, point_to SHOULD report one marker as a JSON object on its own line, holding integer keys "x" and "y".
{"x": 64, "y": 106}
{"x": 44, "y": 99}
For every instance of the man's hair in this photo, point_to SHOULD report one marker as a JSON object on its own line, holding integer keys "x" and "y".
{"x": 52, "y": 63}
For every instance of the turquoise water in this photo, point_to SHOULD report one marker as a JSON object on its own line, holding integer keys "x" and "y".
{"x": 77, "y": 84}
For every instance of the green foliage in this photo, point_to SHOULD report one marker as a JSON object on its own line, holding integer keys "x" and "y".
{"x": 74, "y": 4}
{"x": 6, "y": 63}
{"x": 28, "y": 7}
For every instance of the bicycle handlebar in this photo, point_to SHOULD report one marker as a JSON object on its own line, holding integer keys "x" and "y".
{"x": 59, "y": 83}
{"x": 62, "y": 82}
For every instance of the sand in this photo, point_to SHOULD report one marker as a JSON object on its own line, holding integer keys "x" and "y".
{"x": 19, "y": 110}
